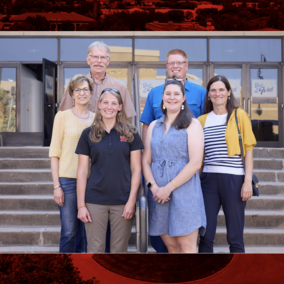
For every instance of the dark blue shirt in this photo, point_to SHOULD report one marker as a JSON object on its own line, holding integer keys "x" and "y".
{"x": 195, "y": 97}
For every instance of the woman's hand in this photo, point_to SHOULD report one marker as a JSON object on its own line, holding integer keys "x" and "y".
{"x": 129, "y": 210}
{"x": 246, "y": 191}
{"x": 161, "y": 194}
{"x": 84, "y": 215}
{"x": 58, "y": 196}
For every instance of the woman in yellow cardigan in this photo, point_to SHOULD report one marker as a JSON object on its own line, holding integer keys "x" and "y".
{"x": 67, "y": 129}
{"x": 223, "y": 180}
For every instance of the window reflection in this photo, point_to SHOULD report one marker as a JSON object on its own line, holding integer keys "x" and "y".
{"x": 149, "y": 49}
{"x": 7, "y": 99}
{"x": 245, "y": 50}
{"x": 28, "y": 49}
{"x": 75, "y": 49}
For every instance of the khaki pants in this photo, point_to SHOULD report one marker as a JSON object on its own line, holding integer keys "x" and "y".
{"x": 96, "y": 230}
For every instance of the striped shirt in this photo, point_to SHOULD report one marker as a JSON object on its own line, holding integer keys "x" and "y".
{"x": 216, "y": 159}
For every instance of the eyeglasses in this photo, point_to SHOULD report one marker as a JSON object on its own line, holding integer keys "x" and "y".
{"x": 78, "y": 91}
{"x": 178, "y": 63}
{"x": 110, "y": 89}
{"x": 96, "y": 58}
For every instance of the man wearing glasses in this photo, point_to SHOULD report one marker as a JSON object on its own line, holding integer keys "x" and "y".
{"x": 177, "y": 64}
{"x": 98, "y": 59}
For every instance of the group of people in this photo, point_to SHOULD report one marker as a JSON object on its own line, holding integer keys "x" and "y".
{"x": 191, "y": 161}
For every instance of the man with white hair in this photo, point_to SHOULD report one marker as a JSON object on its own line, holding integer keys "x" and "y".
{"x": 98, "y": 58}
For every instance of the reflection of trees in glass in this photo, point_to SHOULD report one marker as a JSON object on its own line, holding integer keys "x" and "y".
{"x": 7, "y": 111}
{"x": 28, "y": 268}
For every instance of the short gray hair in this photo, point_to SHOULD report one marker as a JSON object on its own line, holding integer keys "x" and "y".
{"x": 100, "y": 45}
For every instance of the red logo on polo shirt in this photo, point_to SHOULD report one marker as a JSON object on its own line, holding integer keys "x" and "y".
{"x": 123, "y": 139}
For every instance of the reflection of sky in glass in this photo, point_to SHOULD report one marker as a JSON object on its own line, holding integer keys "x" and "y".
{"x": 75, "y": 49}
{"x": 246, "y": 50}
{"x": 8, "y": 74}
{"x": 70, "y": 72}
{"x": 195, "y": 48}
{"x": 28, "y": 49}
{"x": 229, "y": 73}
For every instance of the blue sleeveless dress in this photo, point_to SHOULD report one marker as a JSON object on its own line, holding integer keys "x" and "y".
{"x": 185, "y": 212}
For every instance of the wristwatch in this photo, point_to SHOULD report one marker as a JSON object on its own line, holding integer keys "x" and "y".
{"x": 149, "y": 184}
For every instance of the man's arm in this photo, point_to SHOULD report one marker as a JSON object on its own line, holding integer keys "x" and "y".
{"x": 66, "y": 102}
{"x": 127, "y": 102}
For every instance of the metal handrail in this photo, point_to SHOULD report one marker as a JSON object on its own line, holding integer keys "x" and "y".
{"x": 142, "y": 220}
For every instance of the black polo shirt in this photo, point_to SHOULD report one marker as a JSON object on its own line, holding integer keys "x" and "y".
{"x": 110, "y": 179}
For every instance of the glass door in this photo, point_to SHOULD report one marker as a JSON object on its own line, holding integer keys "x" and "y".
{"x": 264, "y": 105}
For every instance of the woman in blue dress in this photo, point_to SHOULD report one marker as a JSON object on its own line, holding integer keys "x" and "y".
{"x": 171, "y": 160}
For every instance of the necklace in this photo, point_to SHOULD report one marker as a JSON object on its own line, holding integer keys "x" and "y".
{"x": 80, "y": 116}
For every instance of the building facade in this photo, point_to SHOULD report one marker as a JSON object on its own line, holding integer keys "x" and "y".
{"x": 35, "y": 68}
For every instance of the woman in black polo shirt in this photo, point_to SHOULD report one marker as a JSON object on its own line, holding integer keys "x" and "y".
{"x": 110, "y": 192}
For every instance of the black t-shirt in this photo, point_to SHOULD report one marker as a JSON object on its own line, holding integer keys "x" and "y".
{"x": 110, "y": 179}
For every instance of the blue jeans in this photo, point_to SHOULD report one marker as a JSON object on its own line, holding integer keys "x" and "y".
{"x": 73, "y": 235}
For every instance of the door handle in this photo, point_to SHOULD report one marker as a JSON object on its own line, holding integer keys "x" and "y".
{"x": 282, "y": 107}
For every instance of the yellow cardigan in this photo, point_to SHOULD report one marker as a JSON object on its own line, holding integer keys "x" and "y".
{"x": 231, "y": 134}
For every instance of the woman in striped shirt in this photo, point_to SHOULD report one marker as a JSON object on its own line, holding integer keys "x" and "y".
{"x": 223, "y": 181}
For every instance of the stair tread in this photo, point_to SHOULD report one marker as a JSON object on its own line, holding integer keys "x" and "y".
{"x": 25, "y": 170}
{"x": 256, "y": 230}
{"x": 29, "y": 228}
{"x": 28, "y": 212}
{"x": 31, "y": 196}
{"x": 251, "y": 249}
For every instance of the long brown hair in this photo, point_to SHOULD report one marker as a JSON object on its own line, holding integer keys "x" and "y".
{"x": 122, "y": 125}
{"x": 185, "y": 116}
{"x": 231, "y": 103}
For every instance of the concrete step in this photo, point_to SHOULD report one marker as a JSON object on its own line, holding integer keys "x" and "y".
{"x": 29, "y": 235}
{"x": 50, "y": 235}
{"x": 29, "y": 218}
{"x": 28, "y": 202}
{"x": 271, "y": 188}
{"x": 51, "y": 249}
{"x": 253, "y": 218}
{"x": 21, "y": 175}
{"x": 47, "y": 203}
{"x": 24, "y": 152}
{"x": 255, "y": 236}
{"x": 15, "y": 249}
{"x": 271, "y": 164}
{"x": 34, "y": 163}
{"x": 258, "y": 219}
{"x": 269, "y": 175}
{"x": 251, "y": 249}
{"x": 270, "y": 153}
{"x": 38, "y": 235}
{"x": 28, "y": 188}
{"x": 266, "y": 202}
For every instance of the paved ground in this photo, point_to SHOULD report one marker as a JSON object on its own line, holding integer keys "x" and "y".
{"x": 246, "y": 268}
